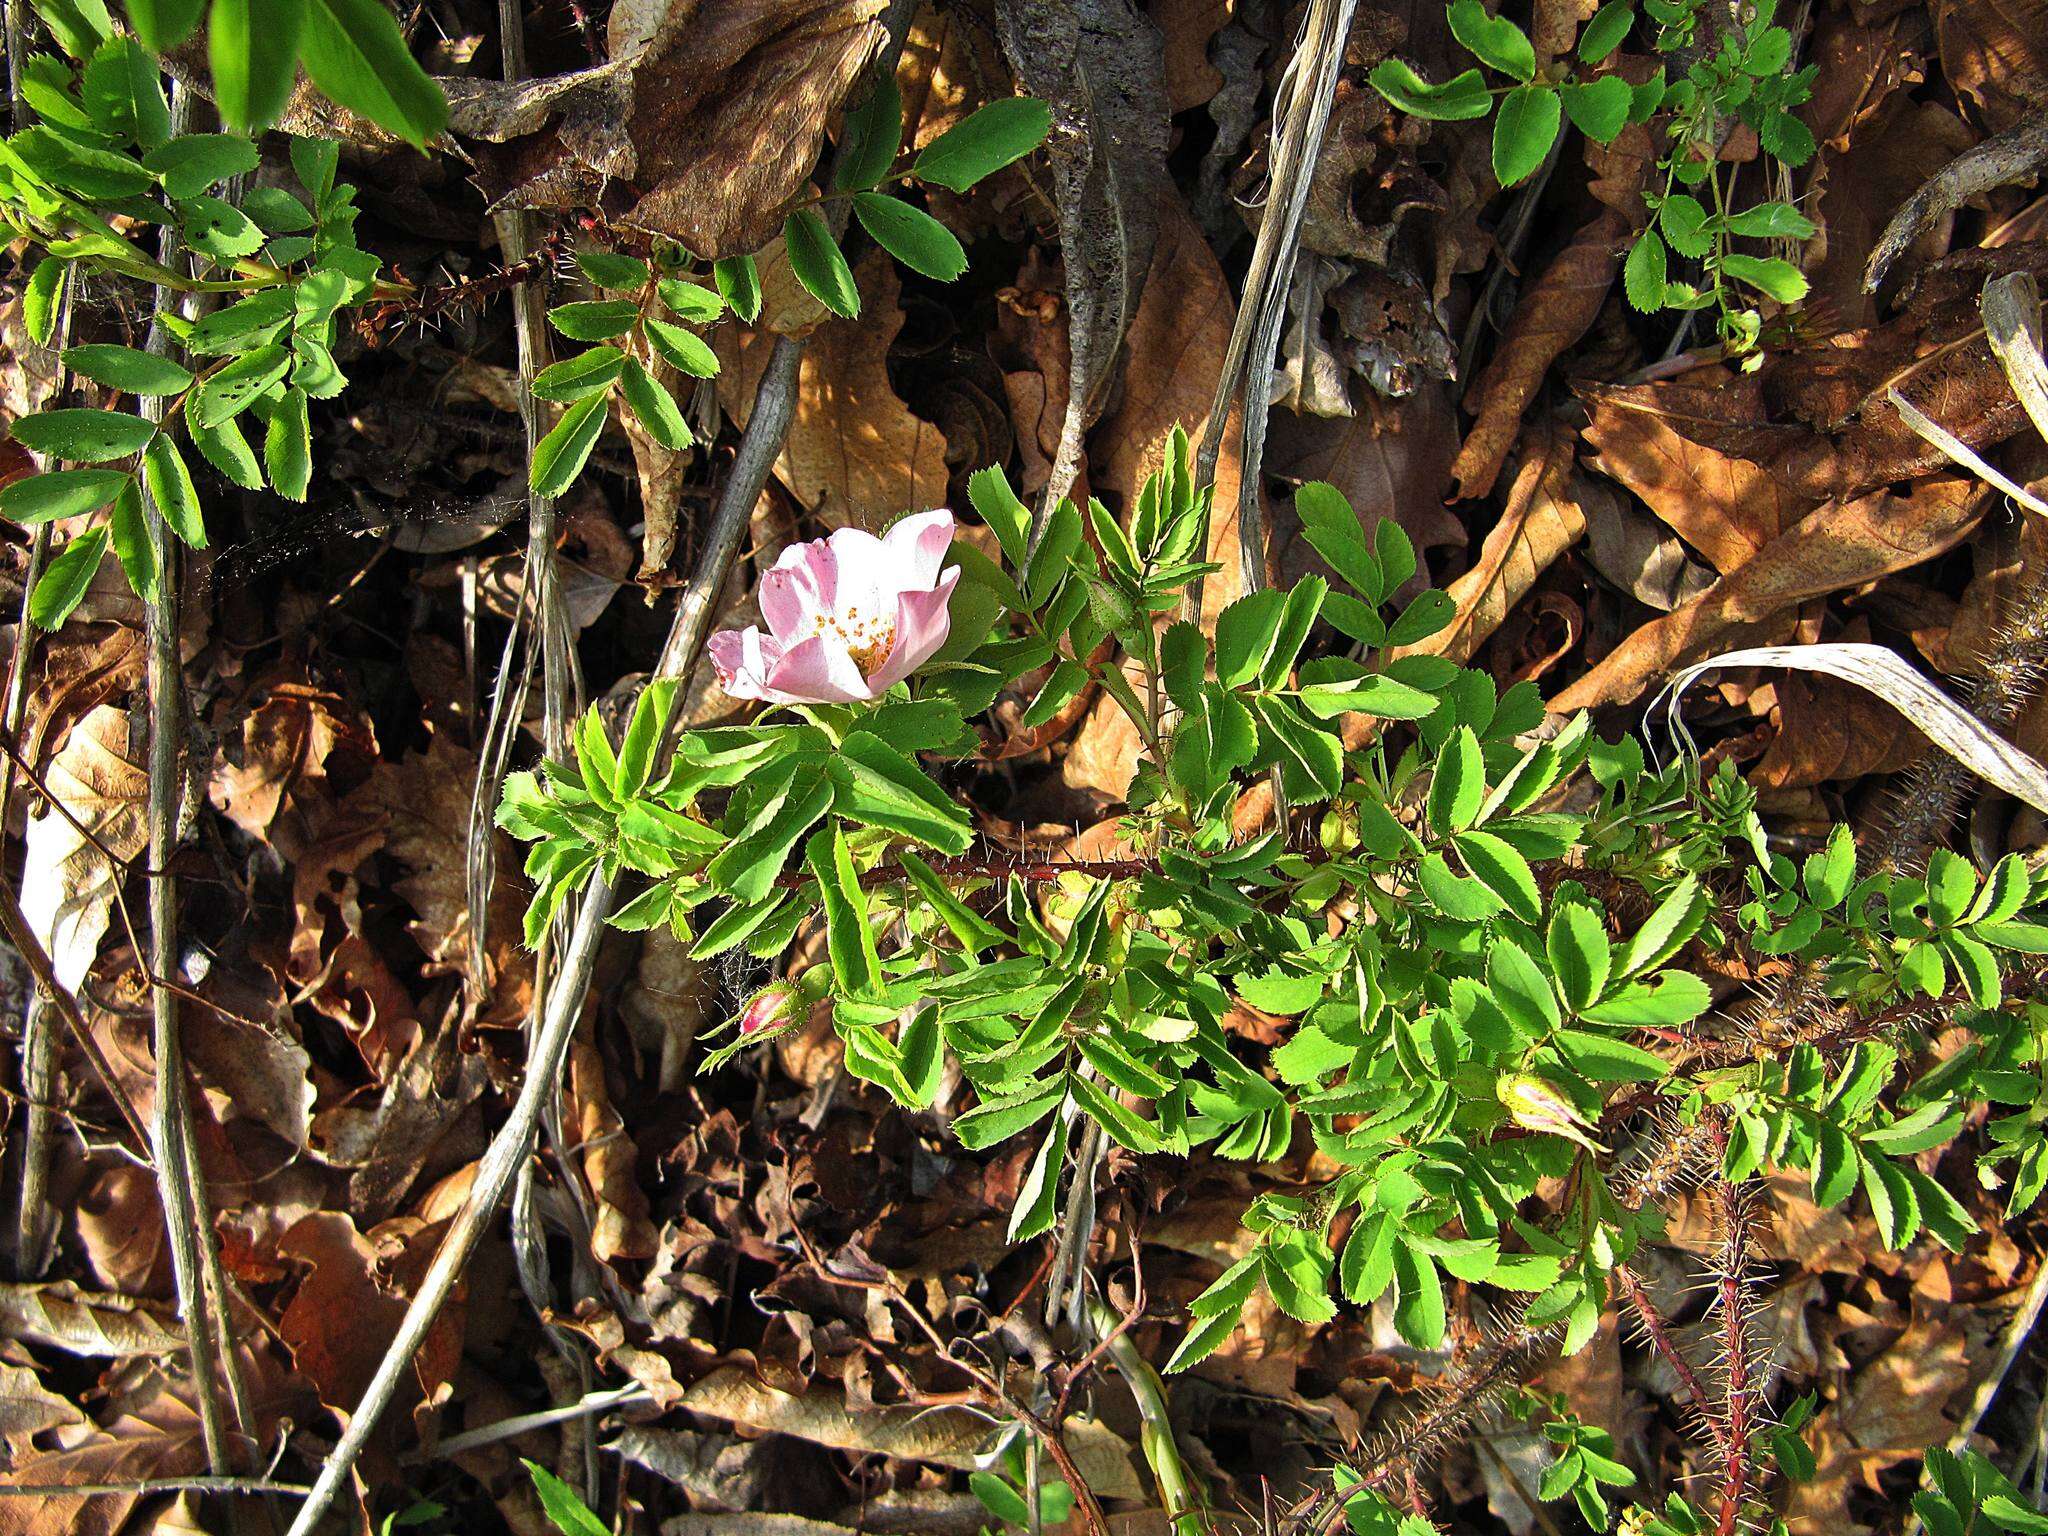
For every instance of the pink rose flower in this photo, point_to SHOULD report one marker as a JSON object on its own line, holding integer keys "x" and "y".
{"x": 847, "y": 616}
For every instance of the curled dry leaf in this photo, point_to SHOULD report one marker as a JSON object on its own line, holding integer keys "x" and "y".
{"x": 1829, "y": 730}
{"x": 67, "y": 884}
{"x": 1995, "y": 56}
{"x": 61, "y": 1316}
{"x": 155, "y": 1437}
{"x": 1555, "y": 312}
{"x": 1542, "y": 520}
{"x": 27, "y": 1407}
{"x": 1100, "y": 65}
{"x": 945, "y": 1437}
{"x": 1839, "y": 545}
{"x": 423, "y": 799}
{"x": 724, "y": 110}
{"x": 622, "y": 1229}
{"x": 1630, "y": 548}
{"x": 1726, "y": 507}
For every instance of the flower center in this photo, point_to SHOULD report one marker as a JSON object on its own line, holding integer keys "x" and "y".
{"x": 868, "y": 638}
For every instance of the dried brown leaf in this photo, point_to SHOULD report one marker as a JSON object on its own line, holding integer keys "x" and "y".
{"x": 1726, "y": 507}
{"x": 856, "y": 455}
{"x": 1839, "y": 545}
{"x": 1542, "y": 520}
{"x": 61, "y": 1316}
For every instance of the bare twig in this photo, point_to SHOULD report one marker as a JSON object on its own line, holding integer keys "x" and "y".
{"x": 35, "y": 1230}
{"x": 149, "y": 1485}
{"x": 14, "y": 925}
{"x": 2014, "y": 155}
{"x": 181, "y": 1185}
{"x": 584, "y": 1408}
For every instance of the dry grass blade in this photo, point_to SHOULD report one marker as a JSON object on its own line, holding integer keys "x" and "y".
{"x": 2012, "y": 321}
{"x": 1883, "y": 672}
{"x": 1963, "y": 453}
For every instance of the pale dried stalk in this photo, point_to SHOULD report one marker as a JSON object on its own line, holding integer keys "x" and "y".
{"x": 550, "y": 636}
{"x": 1879, "y": 670}
{"x": 760, "y": 445}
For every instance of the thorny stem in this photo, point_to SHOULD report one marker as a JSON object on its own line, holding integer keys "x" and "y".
{"x": 997, "y": 867}
{"x": 1630, "y": 1285}
{"x": 1739, "y": 1404}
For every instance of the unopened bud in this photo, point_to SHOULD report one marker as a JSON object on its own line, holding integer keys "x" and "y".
{"x": 770, "y": 1006}
{"x": 1538, "y": 1105}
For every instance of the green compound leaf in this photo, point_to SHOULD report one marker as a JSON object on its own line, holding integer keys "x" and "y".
{"x": 1599, "y": 108}
{"x": 1459, "y": 99}
{"x": 1530, "y": 116}
{"x": 816, "y": 260}
{"x": 1776, "y": 279}
{"x": 1493, "y": 40}
{"x": 355, "y": 53}
{"x": 911, "y": 235}
{"x": 65, "y": 579}
{"x": 739, "y": 284}
{"x": 288, "y": 447}
{"x": 998, "y": 135}
{"x": 129, "y": 370}
{"x": 559, "y": 457}
{"x": 655, "y": 408}
{"x": 873, "y": 130}
{"x": 1642, "y": 275}
{"x": 1605, "y": 32}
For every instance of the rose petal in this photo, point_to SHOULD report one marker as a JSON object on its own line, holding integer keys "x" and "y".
{"x": 791, "y": 604}
{"x": 917, "y": 547}
{"x": 818, "y": 671}
{"x": 922, "y": 624}
{"x": 866, "y": 574}
{"x": 744, "y": 659}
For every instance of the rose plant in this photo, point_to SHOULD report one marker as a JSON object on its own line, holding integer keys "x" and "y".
{"x": 1471, "y": 923}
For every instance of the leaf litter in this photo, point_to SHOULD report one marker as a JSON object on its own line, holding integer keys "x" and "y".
{"x": 789, "y": 1270}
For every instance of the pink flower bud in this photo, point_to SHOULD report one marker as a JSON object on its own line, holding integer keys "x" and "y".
{"x": 848, "y": 616}
{"x": 769, "y": 1007}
